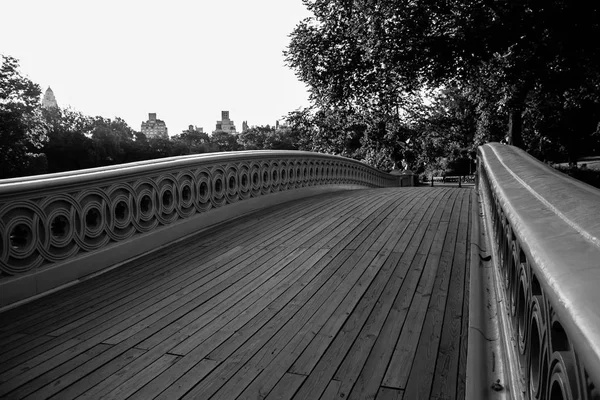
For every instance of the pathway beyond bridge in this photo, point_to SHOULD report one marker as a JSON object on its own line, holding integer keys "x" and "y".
{"x": 353, "y": 294}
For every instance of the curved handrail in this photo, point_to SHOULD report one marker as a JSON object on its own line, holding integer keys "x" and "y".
{"x": 547, "y": 226}
{"x": 51, "y": 218}
{"x": 35, "y": 182}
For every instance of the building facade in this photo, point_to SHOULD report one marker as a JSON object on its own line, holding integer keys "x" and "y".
{"x": 155, "y": 128}
{"x": 225, "y": 124}
{"x": 192, "y": 128}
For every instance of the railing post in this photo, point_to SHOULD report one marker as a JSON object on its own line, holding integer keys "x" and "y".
{"x": 459, "y": 179}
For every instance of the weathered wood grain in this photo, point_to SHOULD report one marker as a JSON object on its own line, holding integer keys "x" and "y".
{"x": 359, "y": 294}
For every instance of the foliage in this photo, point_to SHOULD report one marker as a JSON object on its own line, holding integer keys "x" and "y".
{"x": 254, "y": 138}
{"x": 34, "y": 140}
{"x": 22, "y": 127}
{"x": 193, "y": 140}
{"x": 69, "y": 145}
{"x": 267, "y": 137}
{"x": 529, "y": 70}
{"x": 224, "y": 141}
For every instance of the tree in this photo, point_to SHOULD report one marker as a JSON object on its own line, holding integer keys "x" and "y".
{"x": 366, "y": 55}
{"x": 254, "y": 138}
{"x": 281, "y": 138}
{"x": 22, "y": 126}
{"x": 69, "y": 146}
{"x": 442, "y": 133}
{"x": 110, "y": 138}
{"x": 224, "y": 141}
{"x": 193, "y": 139}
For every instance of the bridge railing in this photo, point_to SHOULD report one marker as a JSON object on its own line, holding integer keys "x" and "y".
{"x": 58, "y": 228}
{"x": 546, "y": 232}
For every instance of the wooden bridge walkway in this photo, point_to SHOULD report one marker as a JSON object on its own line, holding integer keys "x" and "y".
{"x": 356, "y": 294}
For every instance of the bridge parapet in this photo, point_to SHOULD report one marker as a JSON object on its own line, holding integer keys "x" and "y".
{"x": 60, "y": 228}
{"x": 546, "y": 234}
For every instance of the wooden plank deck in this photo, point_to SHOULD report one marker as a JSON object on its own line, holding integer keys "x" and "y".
{"x": 359, "y": 295}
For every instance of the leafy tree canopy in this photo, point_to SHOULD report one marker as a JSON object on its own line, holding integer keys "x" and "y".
{"x": 372, "y": 57}
{"x": 22, "y": 127}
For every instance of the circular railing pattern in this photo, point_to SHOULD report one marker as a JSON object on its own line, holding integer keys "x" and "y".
{"x": 49, "y": 227}
{"x": 550, "y": 366}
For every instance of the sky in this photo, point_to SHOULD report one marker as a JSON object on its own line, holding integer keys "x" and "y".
{"x": 184, "y": 60}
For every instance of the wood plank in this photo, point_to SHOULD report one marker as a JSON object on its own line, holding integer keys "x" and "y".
{"x": 446, "y": 367}
{"x": 80, "y": 375}
{"x": 234, "y": 305}
{"x": 144, "y": 376}
{"x": 421, "y": 374}
{"x": 197, "y": 373}
{"x": 75, "y": 348}
{"x": 258, "y": 298}
{"x": 297, "y": 291}
{"x": 26, "y": 371}
{"x": 263, "y": 238}
{"x": 176, "y": 247}
{"x": 356, "y": 227}
{"x": 464, "y": 335}
{"x": 54, "y": 374}
{"x": 71, "y": 296}
{"x": 290, "y": 354}
{"x": 309, "y": 358}
{"x": 213, "y": 232}
{"x": 102, "y": 323}
{"x": 255, "y": 355}
{"x": 10, "y": 338}
{"x": 373, "y": 280}
{"x": 173, "y": 340}
{"x": 403, "y": 356}
{"x": 262, "y": 270}
{"x": 238, "y": 330}
{"x": 291, "y": 343}
{"x": 104, "y": 310}
{"x": 399, "y": 291}
{"x": 320, "y": 222}
{"x": 286, "y": 387}
{"x": 386, "y": 393}
{"x": 253, "y": 339}
{"x": 327, "y": 365}
{"x": 17, "y": 348}
{"x": 347, "y": 219}
{"x": 331, "y": 390}
{"x": 125, "y": 309}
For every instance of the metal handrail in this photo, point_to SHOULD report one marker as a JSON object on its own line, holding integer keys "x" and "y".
{"x": 546, "y": 227}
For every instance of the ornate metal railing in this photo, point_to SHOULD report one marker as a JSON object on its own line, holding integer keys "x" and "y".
{"x": 546, "y": 231}
{"x": 53, "y": 219}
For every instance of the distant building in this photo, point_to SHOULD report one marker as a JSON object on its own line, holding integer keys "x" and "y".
{"x": 49, "y": 101}
{"x": 225, "y": 125}
{"x": 244, "y": 126}
{"x": 155, "y": 128}
{"x": 192, "y": 128}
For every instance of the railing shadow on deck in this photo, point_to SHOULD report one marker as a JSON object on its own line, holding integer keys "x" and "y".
{"x": 545, "y": 229}
{"x": 58, "y": 229}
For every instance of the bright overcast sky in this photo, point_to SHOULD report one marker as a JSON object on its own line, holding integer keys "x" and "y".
{"x": 184, "y": 60}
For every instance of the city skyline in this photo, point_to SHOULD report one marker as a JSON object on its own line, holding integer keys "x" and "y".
{"x": 128, "y": 60}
